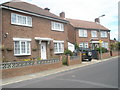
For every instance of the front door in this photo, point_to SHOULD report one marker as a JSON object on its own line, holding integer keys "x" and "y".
{"x": 43, "y": 50}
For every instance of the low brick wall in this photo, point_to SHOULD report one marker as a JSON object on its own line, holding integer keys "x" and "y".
{"x": 115, "y": 53}
{"x": 8, "y": 73}
{"x": 106, "y": 55}
{"x": 73, "y": 62}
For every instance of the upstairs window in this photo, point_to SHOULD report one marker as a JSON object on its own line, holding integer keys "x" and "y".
{"x": 94, "y": 33}
{"x": 57, "y": 26}
{"x": 21, "y": 20}
{"x": 103, "y": 34}
{"x": 82, "y": 33}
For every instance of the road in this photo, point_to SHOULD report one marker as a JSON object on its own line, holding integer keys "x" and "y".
{"x": 99, "y": 75}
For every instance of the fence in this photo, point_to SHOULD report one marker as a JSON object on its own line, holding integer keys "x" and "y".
{"x": 8, "y": 65}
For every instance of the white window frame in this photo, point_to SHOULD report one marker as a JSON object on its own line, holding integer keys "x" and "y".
{"x": 93, "y": 33}
{"x": 61, "y": 43}
{"x": 83, "y": 44}
{"x": 103, "y": 34}
{"x": 26, "y": 41}
{"x": 82, "y": 33}
{"x": 55, "y": 28}
{"x": 24, "y": 21}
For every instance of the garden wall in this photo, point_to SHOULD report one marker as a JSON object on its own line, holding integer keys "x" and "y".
{"x": 8, "y": 73}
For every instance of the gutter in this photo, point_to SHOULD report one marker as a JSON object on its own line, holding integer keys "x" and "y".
{"x": 34, "y": 14}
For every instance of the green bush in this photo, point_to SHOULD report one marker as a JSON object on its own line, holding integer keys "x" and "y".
{"x": 76, "y": 46}
{"x": 66, "y": 52}
{"x": 104, "y": 50}
{"x": 64, "y": 61}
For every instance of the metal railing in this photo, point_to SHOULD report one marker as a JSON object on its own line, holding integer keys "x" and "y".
{"x": 8, "y": 65}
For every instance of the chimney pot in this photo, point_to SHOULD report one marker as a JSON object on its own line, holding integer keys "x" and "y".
{"x": 47, "y": 9}
{"x": 62, "y": 14}
{"x": 97, "y": 20}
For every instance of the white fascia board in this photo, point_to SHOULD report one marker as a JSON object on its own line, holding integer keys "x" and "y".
{"x": 22, "y": 39}
{"x": 41, "y": 38}
{"x": 59, "y": 41}
{"x": 38, "y": 15}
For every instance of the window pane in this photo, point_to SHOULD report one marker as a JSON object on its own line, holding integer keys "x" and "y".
{"x": 24, "y": 20}
{"x": 13, "y": 18}
{"x": 28, "y": 47}
{"x": 23, "y": 47}
{"x": 55, "y": 47}
{"x": 17, "y": 47}
{"x": 85, "y": 33}
{"x": 29, "y": 20}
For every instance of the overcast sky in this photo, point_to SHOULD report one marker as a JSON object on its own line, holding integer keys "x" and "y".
{"x": 84, "y": 10}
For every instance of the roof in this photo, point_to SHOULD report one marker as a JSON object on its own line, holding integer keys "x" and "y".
{"x": 86, "y": 24}
{"x": 21, "y": 5}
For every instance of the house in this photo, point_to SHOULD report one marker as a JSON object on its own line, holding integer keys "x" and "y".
{"x": 88, "y": 34}
{"x": 29, "y": 31}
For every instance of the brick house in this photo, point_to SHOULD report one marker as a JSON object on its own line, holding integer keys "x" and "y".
{"x": 89, "y": 33}
{"x": 29, "y": 31}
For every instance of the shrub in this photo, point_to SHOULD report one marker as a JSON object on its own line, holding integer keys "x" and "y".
{"x": 64, "y": 61}
{"x": 104, "y": 50}
{"x": 66, "y": 52}
{"x": 38, "y": 58}
{"x": 76, "y": 46}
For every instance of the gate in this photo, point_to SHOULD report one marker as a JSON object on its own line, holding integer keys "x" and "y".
{"x": 95, "y": 54}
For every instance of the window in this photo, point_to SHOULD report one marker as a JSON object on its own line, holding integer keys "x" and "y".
{"x": 22, "y": 47}
{"x": 21, "y": 20}
{"x": 94, "y": 33}
{"x": 83, "y": 45}
{"x": 82, "y": 33}
{"x": 58, "y": 46}
{"x": 103, "y": 34}
{"x": 57, "y": 26}
{"x": 105, "y": 45}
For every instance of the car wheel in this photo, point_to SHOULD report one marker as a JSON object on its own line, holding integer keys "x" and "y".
{"x": 90, "y": 59}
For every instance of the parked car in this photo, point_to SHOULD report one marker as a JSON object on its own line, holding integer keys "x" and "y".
{"x": 86, "y": 53}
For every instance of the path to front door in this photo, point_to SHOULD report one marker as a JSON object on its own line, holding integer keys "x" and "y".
{"x": 43, "y": 50}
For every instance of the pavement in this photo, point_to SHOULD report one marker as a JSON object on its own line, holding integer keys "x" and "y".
{"x": 50, "y": 72}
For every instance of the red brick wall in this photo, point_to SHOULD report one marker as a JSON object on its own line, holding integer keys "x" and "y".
{"x": 40, "y": 28}
{"x": 115, "y": 53}
{"x": 73, "y": 62}
{"x": 8, "y": 73}
{"x": 106, "y": 55}
{"x": 71, "y": 33}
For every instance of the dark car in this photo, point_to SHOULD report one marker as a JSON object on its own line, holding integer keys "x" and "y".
{"x": 86, "y": 53}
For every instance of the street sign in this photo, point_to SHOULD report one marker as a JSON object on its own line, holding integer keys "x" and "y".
{"x": 100, "y": 41}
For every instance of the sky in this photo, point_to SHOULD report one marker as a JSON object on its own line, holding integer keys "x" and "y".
{"x": 84, "y": 10}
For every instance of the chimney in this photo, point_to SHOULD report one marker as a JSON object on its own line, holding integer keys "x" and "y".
{"x": 97, "y": 20}
{"x": 62, "y": 14}
{"x": 47, "y": 9}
